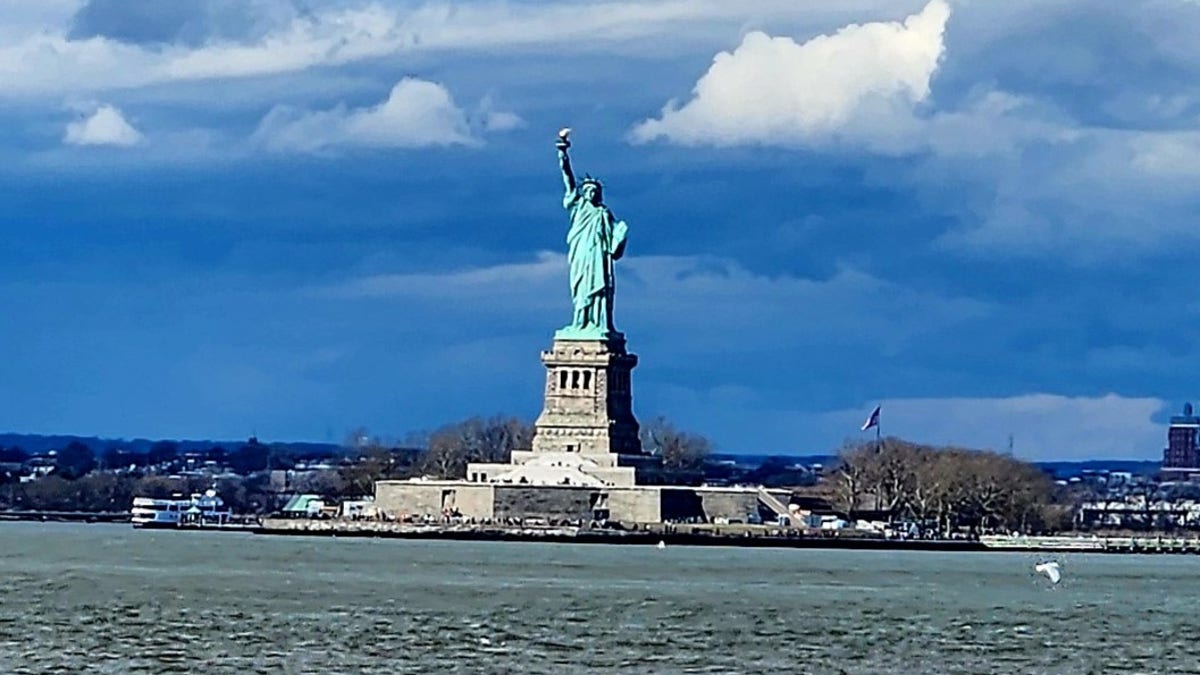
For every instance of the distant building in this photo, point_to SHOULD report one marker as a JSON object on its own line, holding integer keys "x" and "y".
{"x": 304, "y": 506}
{"x": 1182, "y": 456}
{"x": 1138, "y": 512}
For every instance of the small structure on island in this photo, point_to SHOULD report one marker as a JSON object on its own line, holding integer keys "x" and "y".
{"x": 303, "y": 506}
{"x": 586, "y": 462}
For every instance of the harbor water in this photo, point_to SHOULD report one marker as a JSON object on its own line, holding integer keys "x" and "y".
{"x": 108, "y": 599}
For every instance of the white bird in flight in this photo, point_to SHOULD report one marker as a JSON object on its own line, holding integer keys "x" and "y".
{"x": 1050, "y": 569}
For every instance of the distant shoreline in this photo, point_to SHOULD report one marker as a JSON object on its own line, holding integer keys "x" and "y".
{"x": 65, "y": 516}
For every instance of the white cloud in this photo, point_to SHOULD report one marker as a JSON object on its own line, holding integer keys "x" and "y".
{"x": 502, "y": 121}
{"x": 773, "y": 90}
{"x": 494, "y": 120}
{"x": 520, "y": 280}
{"x": 417, "y": 113}
{"x": 106, "y": 126}
{"x": 1168, "y": 155}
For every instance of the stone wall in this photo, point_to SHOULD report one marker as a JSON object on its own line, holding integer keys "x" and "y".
{"x": 413, "y": 498}
{"x": 640, "y": 504}
{"x": 732, "y": 504}
{"x": 635, "y": 505}
{"x": 549, "y": 502}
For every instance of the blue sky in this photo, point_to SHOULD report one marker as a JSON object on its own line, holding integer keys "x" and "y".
{"x": 296, "y": 218}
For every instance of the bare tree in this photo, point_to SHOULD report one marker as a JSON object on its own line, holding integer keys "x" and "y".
{"x": 453, "y": 446}
{"x": 681, "y": 451}
{"x": 893, "y": 474}
{"x": 933, "y": 488}
{"x": 850, "y": 477}
{"x": 947, "y": 488}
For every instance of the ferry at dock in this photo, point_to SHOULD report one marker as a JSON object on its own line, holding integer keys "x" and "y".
{"x": 199, "y": 509}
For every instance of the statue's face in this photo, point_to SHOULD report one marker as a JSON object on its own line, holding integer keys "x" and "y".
{"x": 591, "y": 193}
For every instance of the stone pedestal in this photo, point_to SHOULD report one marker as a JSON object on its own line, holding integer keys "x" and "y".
{"x": 588, "y": 404}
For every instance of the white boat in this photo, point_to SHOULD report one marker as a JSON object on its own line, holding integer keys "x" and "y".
{"x": 199, "y": 509}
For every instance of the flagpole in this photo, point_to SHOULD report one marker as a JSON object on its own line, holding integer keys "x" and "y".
{"x": 879, "y": 451}
{"x": 873, "y": 421}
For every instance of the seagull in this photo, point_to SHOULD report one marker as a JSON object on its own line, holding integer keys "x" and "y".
{"x": 662, "y": 544}
{"x": 1050, "y": 569}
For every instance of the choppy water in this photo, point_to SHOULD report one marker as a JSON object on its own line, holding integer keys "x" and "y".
{"x": 107, "y": 599}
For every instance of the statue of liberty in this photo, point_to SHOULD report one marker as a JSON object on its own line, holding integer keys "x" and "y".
{"x": 595, "y": 239}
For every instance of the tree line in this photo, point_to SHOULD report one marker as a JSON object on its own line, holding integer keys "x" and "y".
{"x": 83, "y": 481}
{"x": 941, "y": 490}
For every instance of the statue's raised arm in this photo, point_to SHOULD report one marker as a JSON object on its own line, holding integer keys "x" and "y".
{"x": 564, "y": 163}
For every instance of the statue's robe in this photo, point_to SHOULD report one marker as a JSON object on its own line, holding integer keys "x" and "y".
{"x": 594, "y": 240}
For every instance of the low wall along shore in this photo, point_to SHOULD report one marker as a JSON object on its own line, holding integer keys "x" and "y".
{"x": 759, "y": 536}
{"x": 689, "y": 535}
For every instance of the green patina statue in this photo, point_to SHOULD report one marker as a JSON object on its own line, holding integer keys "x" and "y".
{"x": 596, "y": 238}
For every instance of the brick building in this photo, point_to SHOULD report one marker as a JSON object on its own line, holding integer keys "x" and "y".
{"x": 1182, "y": 453}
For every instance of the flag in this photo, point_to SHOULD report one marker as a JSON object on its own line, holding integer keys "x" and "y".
{"x": 873, "y": 420}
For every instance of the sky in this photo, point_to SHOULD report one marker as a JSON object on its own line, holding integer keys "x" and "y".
{"x": 293, "y": 218}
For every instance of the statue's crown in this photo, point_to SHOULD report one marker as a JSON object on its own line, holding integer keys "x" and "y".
{"x": 589, "y": 180}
